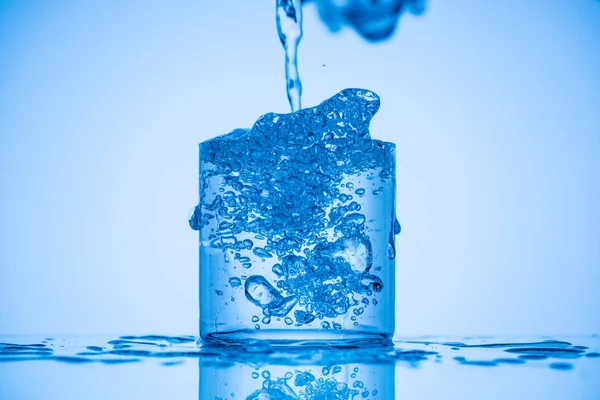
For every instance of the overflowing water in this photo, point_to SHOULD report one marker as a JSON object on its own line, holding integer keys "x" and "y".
{"x": 260, "y": 372}
{"x": 289, "y": 28}
{"x": 297, "y": 218}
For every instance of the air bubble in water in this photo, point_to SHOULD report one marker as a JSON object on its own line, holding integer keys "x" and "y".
{"x": 355, "y": 251}
{"x": 277, "y": 270}
{"x": 262, "y": 252}
{"x": 260, "y": 292}
{"x": 283, "y": 308}
{"x": 303, "y": 317}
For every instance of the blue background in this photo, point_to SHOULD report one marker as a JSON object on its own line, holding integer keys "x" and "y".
{"x": 495, "y": 107}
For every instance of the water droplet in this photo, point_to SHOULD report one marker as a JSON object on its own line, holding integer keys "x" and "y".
{"x": 195, "y": 218}
{"x": 255, "y": 318}
{"x": 397, "y": 227}
{"x": 288, "y": 321}
{"x": 266, "y": 374}
{"x": 255, "y": 375}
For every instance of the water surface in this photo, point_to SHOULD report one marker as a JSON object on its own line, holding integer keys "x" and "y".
{"x": 155, "y": 366}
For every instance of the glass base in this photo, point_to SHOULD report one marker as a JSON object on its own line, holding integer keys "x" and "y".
{"x": 306, "y": 338}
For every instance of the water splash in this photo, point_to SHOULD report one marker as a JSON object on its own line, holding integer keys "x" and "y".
{"x": 302, "y": 195}
{"x": 374, "y": 20}
{"x": 289, "y": 28}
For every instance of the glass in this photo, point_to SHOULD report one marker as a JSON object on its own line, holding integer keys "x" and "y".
{"x": 260, "y": 280}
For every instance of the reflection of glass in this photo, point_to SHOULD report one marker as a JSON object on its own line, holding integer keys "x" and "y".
{"x": 309, "y": 375}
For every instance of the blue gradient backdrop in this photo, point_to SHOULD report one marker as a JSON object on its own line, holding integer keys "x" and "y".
{"x": 495, "y": 107}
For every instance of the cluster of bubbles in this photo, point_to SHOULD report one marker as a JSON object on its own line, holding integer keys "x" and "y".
{"x": 303, "y": 385}
{"x": 290, "y": 196}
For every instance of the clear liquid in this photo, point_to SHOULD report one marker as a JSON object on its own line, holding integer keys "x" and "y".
{"x": 289, "y": 28}
{"x": 297, "y": 226}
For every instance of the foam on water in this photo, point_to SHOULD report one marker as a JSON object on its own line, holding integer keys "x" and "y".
{"x": 288, "y": 199}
